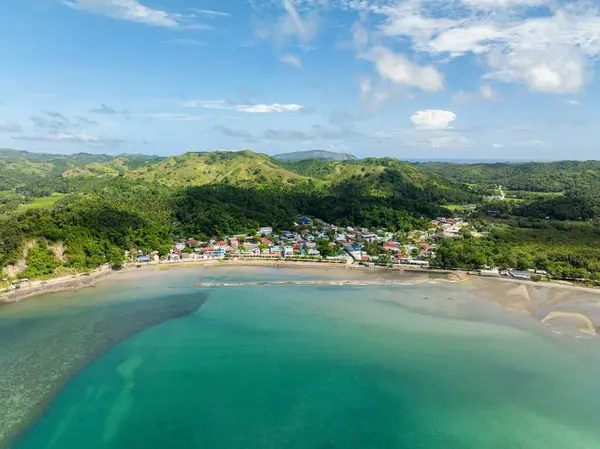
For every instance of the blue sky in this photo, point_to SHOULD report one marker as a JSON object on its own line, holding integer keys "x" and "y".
{"x": 476, "y": 79}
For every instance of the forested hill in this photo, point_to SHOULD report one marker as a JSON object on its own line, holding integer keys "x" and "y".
{"x": 531, "y": 176}
{"x": 89, "y": 209}
{"x": 19, "y": 168}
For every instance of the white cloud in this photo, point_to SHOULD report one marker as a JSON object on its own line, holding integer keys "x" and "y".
{"x": 291, "y": 59}
{"x": 573, "y": 102}
{"x": 131, "y": 10}
{"x": 550, "y": 51}
{"x": 10, "y": 127}
{"x": 432, "y": 119}
{"x": 396, "y": 68}
{"x": 290, "y": 24}
{"x": 495, "y": 4}
{"x": 211, "y": 13}
{"x": 293, "y": 24}
{"x": 250, "y": 108}
{"x": 498, "y": 145}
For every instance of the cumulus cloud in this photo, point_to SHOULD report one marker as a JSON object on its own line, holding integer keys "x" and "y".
{"x": 291, "y": 59}
{"x": 130, "y": 10}
{"x": 548, "y": 49}
{"x": 10, "y": 127}
{"x": 432, "y": 119}
{"x": 398, "y": 69}
{"x": 249, "y": 108}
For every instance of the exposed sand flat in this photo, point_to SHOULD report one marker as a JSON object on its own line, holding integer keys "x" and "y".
{"x": 587, "y": 325}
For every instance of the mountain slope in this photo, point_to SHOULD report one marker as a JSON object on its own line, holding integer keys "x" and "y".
{"x": 194, "y": 169}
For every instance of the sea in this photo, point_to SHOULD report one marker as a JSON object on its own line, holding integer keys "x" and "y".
{"x": 153, "y": 360}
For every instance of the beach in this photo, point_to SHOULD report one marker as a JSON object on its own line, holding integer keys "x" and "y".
{"x": 559, "y": 306}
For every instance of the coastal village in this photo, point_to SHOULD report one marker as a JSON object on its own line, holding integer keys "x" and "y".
{"x": 312, "y": 239}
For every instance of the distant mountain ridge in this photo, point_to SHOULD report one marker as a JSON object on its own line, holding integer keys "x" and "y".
{"x": 320, "y": 155}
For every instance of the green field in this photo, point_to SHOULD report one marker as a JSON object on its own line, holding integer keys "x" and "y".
{"x": 458, "y": 207}
{"x": 38, "y": 203}
{"x": 6, "y": 193}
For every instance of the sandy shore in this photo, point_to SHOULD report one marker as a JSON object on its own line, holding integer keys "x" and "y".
{"x": 77, "y": 282}
{"x": 559, "y": 306}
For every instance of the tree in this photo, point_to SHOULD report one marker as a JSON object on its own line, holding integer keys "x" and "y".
{"x": 115, "y": 258}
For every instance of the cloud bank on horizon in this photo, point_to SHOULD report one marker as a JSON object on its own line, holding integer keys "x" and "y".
{"x": 445, "y": 79}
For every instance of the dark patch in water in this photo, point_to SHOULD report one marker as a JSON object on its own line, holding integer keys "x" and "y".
{"x": 40, "y": 355}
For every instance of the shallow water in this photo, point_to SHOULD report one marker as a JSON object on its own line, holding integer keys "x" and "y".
{"x": 301, "y": 367}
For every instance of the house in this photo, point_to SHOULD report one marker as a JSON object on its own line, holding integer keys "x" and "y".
{"x": 219, "y": 253}
{"x": 265, "y": 231}
{"x": 391, "y": 246}
{"x": 369, "y": 237}
{"x": 275, "y": 249}
{"x": 516, "y": 274}
{"x": 266, "y": 241}
{"x": 490, "y": 272}
{"x": 311, "y": 245}
{"x": 314, "y": 252}
{"x": 305, "y": 221}
{"x": 288, "y": 251}
{"x": 142, "y": 259}
{"x": 234, "y": 242}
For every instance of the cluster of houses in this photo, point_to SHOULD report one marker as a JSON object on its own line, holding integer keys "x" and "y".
{"x": 311, "y": 238}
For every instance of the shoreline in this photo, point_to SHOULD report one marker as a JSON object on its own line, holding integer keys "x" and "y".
{"x": 78, "y": 282}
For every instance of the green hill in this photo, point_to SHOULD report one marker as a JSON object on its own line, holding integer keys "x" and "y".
{"x": 193, "y": 169}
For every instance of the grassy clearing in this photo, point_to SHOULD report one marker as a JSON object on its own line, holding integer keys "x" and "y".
{"x": 458, "y": 207}
{"x": 39, "y": 203}
{"x": 6, "y": 193}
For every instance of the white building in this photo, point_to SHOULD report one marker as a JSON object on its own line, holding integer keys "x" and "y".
{"x": 265, "y": 231}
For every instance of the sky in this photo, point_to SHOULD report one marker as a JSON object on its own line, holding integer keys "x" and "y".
{"x": 431, "y": 79}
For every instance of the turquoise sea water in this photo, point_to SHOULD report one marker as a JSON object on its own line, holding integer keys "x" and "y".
{"x": 421, "y": 366}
